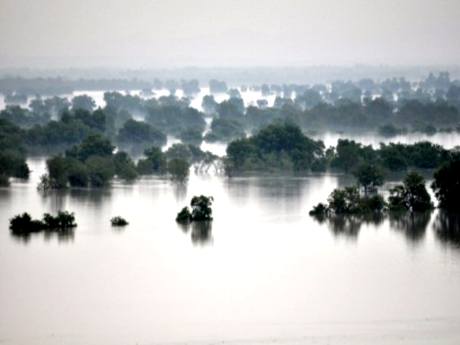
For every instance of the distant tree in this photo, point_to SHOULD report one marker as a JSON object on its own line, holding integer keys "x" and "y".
{"x": 140, "y": 132}
{"x": 178, "y": 168}
{"x": 216, "y": 86}
{"x": 93, "y": 145}
{"x": 124, "y": 166}
{"x": 369, "y": 177}
{"x": 191, "y": 136}
{"x": 83, "y": 102}
{"x": 209, "y": 105}
{"x": 155, "y": 162}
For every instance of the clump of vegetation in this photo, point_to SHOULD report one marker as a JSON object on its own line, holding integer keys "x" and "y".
{"x": 201, "y": 210}
{"x": 411, "y": 195}
{"x": 191, "y": 136}
{"x": 12, "y": 153}
{"x": 225, "y": 130}
{"x": 138, "y": 132}
{"x": 178, "y": 169}
{"x": 348, "y": 201}
{"x": 90, "y": 163}
{"x": 369, "y": 177}
{"x": 118, "y": 221}
{"x": 277, "y": 147}
{"x": 24, "y": 224}
{"x": 446, "y": 185}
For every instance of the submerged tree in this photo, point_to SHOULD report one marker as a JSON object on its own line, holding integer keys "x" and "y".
{"x": 369, "y": 177}
{"x": 411, "y": 195}
{"x": 201, "y": 210}
{"x": 446, "y": 185}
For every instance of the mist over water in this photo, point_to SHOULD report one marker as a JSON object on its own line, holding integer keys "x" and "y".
{"x": 127, "y": 109}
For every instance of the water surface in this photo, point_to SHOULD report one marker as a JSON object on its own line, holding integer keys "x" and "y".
{"x": 263, "y": 273}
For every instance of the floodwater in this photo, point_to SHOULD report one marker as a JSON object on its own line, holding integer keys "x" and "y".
{"x": 263, "y": 272}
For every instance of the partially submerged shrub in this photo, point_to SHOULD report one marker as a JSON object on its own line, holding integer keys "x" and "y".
{"x": 411, "y": 195}
{"x": 201, "y": 210}
{"x": 118, "y": 221}
{"x": 24, "y": 224}
{"x": 184, "y": 216}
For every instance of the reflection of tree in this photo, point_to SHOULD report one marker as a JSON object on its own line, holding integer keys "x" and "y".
{"x": 349, "y": 225}
{"x": 447, "y": 228}
{"x": 413, "y": 224}
{"x": 62, "y": 236}
{"x": 180, "y": 189}
{"x": 201, "y": 232}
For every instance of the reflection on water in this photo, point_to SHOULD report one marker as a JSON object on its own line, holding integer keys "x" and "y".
{"x": 200, "y": 232}
{"x": 413, "y": 225}
{"x": 447, "y": 228}
{"x": 263, "y": 269}
{"x": 63, "y": 236}
{"x": 349, "y": 226}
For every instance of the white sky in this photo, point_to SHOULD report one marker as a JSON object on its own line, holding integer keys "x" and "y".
{"x": 171, "y": 33}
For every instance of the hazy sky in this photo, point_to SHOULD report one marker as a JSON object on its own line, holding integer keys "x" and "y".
{"x": 142, "y": 33}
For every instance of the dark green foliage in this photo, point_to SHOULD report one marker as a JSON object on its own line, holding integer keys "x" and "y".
{"x": 394, "y": 157}
{"x": 24, "y": 224}
{"x": 369, "y": 177}
{"x": 178, "y": 169}
{"x": 201, "y": 210}
{"x": 320, "y": 210}
{"x": 184, "y": 216}
{"x": 100, "y": 170}
{"x": 70, "y": 129}
{"x": 348, "y": 202}
{"x": 23, "y": 117}
{"x": 57, "y": 172}
{"x": 232, "y": 109}
{"x": 4, "y": 181}
{"x": 224, "y": 130}
{"x": 12, "y": 153}
{"x": 77, "y": 173}
{"x": 173, "y": 116}
{"x": 83, "y": 102}
{"x": 209, "y": 105}
{"x": 155, "y": 162}
{"x": 63, "y": 220}
{"x": 276, "y": 147}
{"x": 344, "y": 201}
{"x": 411, "y": 196}
{"x": 124, "y": 166}
{"x": 446, "y": 185}
{"x": 90, "y": 163}
{"x": 118, "y": 221}
{"x": 350, "y": 155}
{"x": 93, "y": 145}
{"x": 191, "y": 136}
{"x": 138, "y": 132}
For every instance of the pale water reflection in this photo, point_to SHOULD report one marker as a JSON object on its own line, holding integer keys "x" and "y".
{"x": 262, "y": 272}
